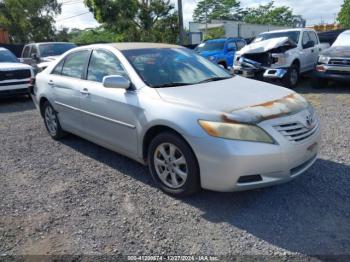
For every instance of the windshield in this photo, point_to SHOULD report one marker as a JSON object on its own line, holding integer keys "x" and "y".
{"x": 210, "y": 46}
{"x": 7, "y": 57}
{"x": 54, "y": 49}
{"x": 292, "y": 35}
{"x": 163, "y": 67}
{"x": 342, "y": 40}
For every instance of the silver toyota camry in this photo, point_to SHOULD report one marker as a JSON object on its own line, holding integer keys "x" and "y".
{"x": 192, "y": 123}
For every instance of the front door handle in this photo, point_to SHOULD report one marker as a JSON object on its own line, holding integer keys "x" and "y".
{"x": 51, "y": 83}
{"x": 84, "y": 91}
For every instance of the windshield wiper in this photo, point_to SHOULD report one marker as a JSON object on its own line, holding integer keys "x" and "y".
{"x": 173, "y": 84}
{"x": 212, "y": 79}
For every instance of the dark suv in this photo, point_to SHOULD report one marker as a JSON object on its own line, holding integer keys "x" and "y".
{"x": 334, "y": 63}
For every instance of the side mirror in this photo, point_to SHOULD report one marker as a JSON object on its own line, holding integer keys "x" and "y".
{"x": 116, "y": 81}
{"x": 309, "y": 44}
{"x": 34, "y": 57}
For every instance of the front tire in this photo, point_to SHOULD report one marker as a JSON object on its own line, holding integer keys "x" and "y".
{"x": 291, "y": 78}
{"x": 52, "y": 122}
{"x": 173, "y": 165}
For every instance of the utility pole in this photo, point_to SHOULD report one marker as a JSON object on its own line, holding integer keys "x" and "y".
{"x": 181, "y": 21}
{"x": 206, "y": 18}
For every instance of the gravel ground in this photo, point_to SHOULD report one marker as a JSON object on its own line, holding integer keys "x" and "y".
{"x": 74, "y": 197}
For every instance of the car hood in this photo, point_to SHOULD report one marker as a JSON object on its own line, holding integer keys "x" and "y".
{"x": 13, "y": 66}
{"x": 337, "y": 51}
{"x": 264, "y": 46}
{"x": 237, "y": 99}
{"x": 210, "y": 53}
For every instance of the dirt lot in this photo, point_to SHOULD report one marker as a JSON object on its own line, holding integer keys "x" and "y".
{"x": 73, "y": 197}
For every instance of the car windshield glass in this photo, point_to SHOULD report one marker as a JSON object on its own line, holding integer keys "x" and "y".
{"x": 210, "y": 46}
{"x": 292, "y": 35}
{"x": 166, "y": 67}
{"x": 342, "y": 40}
{"x": 54, "y": 49}
{"x": 7, "y": 56}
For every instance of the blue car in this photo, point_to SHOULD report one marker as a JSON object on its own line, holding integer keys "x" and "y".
{"x": 221, "y": 51}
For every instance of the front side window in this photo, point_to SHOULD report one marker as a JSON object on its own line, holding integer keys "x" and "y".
{"x": 26, "y": 52}
{"x": 7, "y": 57}
{"x": 240, "y": 45}
{"x": 55, "y": 49}
{"x": 75, "y": 63}
{"x": 102, "y": 64}
{"x": 211, "y": 46}
{"x": 58, "y": 68}
{"x": 306, "y": 38}
{"x": 231, "y": 46}
{"x": 167, "y": 67}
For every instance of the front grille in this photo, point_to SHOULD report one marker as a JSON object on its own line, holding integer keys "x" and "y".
{"x": 263, "y": 58}
{"x": 15, "y": 74}
{"x": 297, "y": 132}
{"x": 340, "y": 62}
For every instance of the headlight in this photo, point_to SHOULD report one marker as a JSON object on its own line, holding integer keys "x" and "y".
{"x": 323, "y": 59}
{"x": 212, "y": 58}
{"x": 280, "y": 59}
{"x": 236, "y": 131}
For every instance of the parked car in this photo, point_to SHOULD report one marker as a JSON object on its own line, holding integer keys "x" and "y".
{"x": 334, "y": 63}
{"x": 194, "y": 124}
{"x": 40, "y": 55}
{"x": 280, "y": 55}
{"x": 221, "y": 51}
{"x": 15, "y": 78}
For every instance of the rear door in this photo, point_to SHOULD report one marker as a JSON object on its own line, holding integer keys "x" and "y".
{"x": 66, "y": 83}
{"x": 109, "y": 114}
{"x": 315, "y": 51}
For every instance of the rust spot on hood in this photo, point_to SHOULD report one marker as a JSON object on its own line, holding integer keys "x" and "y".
{"x": 290, "y": 104}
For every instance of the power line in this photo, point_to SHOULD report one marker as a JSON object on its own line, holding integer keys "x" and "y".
{"x": 72, "y": 16}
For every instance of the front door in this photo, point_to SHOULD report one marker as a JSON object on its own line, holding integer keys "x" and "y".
{"x": 109, "y": 114}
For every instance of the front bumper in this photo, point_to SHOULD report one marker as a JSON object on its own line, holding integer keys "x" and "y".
{"x": 265, "y": 73}
{"x": 14, "y": 88}
{"x": 338, "y": 73}
{"x": 228, "y": 165}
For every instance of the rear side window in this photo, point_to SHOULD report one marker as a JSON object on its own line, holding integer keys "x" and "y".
{"x": 26, "y": 51}
{"x": 58, "y": 68}
{"x": 240, "y": 45}
{"x": 75, "y": 64}
{"x": 103, "y": 63}
{"x": 313, "y": 37}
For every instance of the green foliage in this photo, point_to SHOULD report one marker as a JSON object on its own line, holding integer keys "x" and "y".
{"x": 92, "y": 36}
{"x": 29, "y": 20}
{"x": 270, "y": 15}
{"x": 217, "y": 9}
{"x": 215, "y": 33}
{"x": 344, "y": 14}
{"x": 137, "y": 20}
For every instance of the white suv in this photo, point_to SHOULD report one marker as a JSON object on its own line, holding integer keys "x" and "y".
{"x": 15, "y": 78}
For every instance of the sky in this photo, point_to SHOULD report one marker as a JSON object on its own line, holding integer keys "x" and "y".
{"x": 76, "y": 15}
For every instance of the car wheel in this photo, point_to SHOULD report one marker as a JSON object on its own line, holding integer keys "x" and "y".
{"x": 291, "y": 78}
{"x": 52, "y": 122}
{"x": 173, "y": 165}
{"x": 319, "y": 83}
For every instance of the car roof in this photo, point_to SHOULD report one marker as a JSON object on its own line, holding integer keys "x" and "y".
{"x": 224, "y": 39}
{"x": 140, "y": 45}
{"x": 46, "y": 43}
{"x": 288, "y": 30}
{"x": 346, "y": 32}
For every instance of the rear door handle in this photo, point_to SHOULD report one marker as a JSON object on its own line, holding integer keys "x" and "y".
{"x": 84, "y": 91}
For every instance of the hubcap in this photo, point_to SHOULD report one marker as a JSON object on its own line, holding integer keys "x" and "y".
{"x": 294, "y": 76}
{"x": 51, "y": 120}
{"x": 170, "y": 165}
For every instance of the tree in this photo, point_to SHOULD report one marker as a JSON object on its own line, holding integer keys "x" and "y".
{"x": 268, "y": 14}
{"x": 217, "y": 9}
{"x": 344, "y": 14}
{"x": 93, "y": 36}
{"x": 29, "y": 20}
{"x": 134, "y": 19}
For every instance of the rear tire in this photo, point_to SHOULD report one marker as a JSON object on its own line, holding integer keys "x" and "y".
{"x": 173, "y": 165}
{"x": 52, "y": 122}
{"x": 291, "y": 78}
